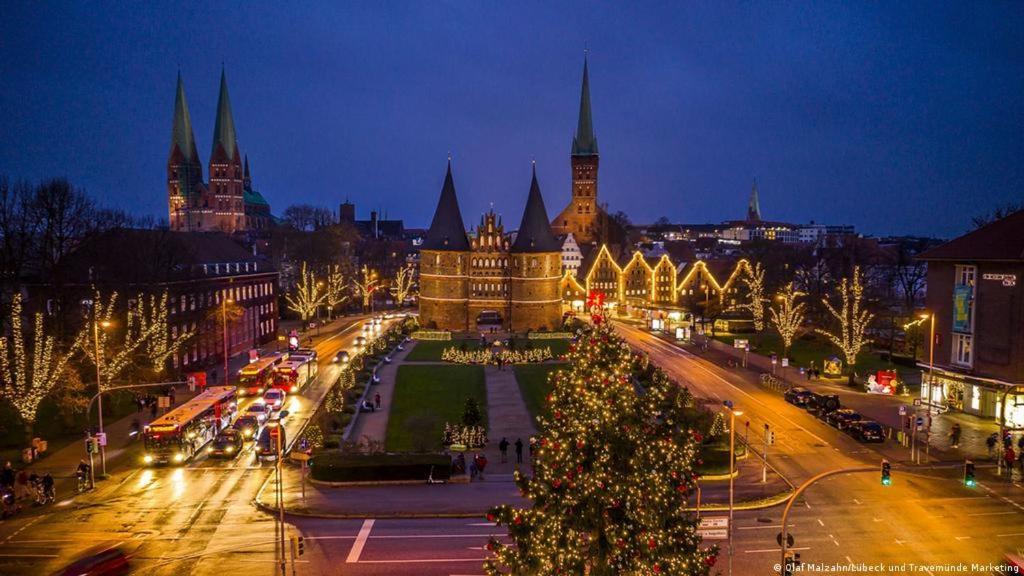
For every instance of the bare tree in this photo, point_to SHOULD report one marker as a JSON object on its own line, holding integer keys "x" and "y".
{"x": 403, "y": 286}
{"x": 998, "y": 213}
{"x": 337, "y": 292}
{"x": 753, "y": 278}
{"x": 368, "y": 283}
{"x": 308, "y": 295}
{"x": 788, "y": 318}
{"x": 852, "y": 318}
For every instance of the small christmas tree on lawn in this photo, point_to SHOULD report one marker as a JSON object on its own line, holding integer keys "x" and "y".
{"x": 613, "y": 472}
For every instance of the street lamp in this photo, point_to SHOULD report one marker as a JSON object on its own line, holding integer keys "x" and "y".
{"x": 733, "y": 413}
{"x": 318, "y": 285}
{"x": 224, "y": 301}
{"x": 931, "y": 348}
{"x": 96, "y": 324}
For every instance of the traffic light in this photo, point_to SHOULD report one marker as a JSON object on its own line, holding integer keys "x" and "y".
{"x": 90, "y": 445}
{"x": 298, "y": 546}
{"x": 771, "y": 437}
{"x": 886, "y": 477}
{"x": 969, "y": 474}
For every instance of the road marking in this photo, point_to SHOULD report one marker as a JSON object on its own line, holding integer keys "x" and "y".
{"x": 963, "y": 538}
{"x": 900, "y": 542}
{"x": 992, "y": 513}
{"x": 1003, "y": 498}
{"x": 1009, "y": 535}
{"x": 857, "y": 501}
{"x": 27, "y": 524}
{"x": 877, "y": 519}
{"x": 849, "y": 560}
{"x": 28, "y": 555}
{"x": 775, "y": 550}
{"x": 426, "y": 560}
{"x": 482, "y": 524}
{"x": 789, "y": 525}
{"x": 822, "y": 524}
{"x": 834, "y": 541}
{"x": 357, "y": 546}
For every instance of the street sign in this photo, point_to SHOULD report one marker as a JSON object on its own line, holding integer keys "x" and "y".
{"x": 714, "y": 522}
{"x": 789, "y": 539}
{"x": 903, "y": 410}
{"x": 714, "y": 534}
{"x": 101, "y": 438}
{"x": 785, "y": 362}
{"x": 917, "y": 401}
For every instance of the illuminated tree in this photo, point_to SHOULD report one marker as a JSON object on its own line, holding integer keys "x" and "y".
{"x": 404, "y": 284}
{"x": 29, "y": 372}
{"x": 753, "y": 277}
{"x": 613, "y": 474}
{"x": 308, "y": 295}
{"x": 853, "y": 319}
{"x": 144, "y": 337}
{"x": 368, "y": 284}
{"x": 336, "y": 288}
{"x": 788, "y": 317}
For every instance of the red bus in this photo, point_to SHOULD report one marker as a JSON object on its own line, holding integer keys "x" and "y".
{"x": 256, "y": 377}
{"x": 182, "y": 432}
{"x": 295, "y": 374}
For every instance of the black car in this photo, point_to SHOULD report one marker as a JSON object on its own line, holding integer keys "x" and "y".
{"x": 798, "y": 396}
{"x": 821, "y": 404}
{"x": 842, "y": 417}
{"x": 227, "y": 444}
{"x": 867, "y": 431}
{"x": 248, "y": 426}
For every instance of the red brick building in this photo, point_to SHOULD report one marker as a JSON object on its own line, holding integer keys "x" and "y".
{"x": 976, "y": 293}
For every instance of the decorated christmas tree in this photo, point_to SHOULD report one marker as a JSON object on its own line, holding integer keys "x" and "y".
{"x": 613, "y": 474}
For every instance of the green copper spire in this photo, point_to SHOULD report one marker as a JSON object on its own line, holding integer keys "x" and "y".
{"x": 224, "y": 129}
{"x": 754, "y": 205}
{"x": 181, "y": 132}
{"x": 585, "y": 142}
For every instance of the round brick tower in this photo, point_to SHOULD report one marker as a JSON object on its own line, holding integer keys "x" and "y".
{"x": 444, "y": 265}
{"x": 536, "y": 264}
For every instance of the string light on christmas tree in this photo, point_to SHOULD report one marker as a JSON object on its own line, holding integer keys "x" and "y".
{"x": 753, "y": 278}
{"x": 367, "y": 286}
{"x": 336, "y": 293}
{"x": 613, "y": 473}
{"x": 404, "y": 284}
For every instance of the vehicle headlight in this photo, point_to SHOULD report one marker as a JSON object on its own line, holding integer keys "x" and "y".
{"x": 229, "y": 449}
{"x": 209, "y": 448}
{"x": 247, "y": 432}
{"x": 179, "y": 457}
{"x": 148, "y": 459}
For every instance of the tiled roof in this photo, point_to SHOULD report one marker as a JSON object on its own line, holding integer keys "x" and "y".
{"x": 1002, "y": 240}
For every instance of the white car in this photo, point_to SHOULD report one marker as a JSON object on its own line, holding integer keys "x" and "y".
{"x": 258, "y": 410}
{"x": 274, "y": 399}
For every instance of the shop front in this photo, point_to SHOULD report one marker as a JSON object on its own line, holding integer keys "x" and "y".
{"x": 971, "y": 395}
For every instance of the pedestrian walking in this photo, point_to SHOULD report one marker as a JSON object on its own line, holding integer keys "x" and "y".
{"x": 519, "y": 450}
{"x": 376, "y": 400}
{"x": 503, "y": 446}
{"x": 21, "y": 485}
{"x": 1009, "y": 456}
{"x": 954, "y": 435}
{"x": 7, "y": 476}
{"x": 152, "y": 411}
{"x": 139, "y": 403}
{"x": 1020, "y": 444}
{"x": 991, "y": 443}
{"x": 481, "y": 462}
{"x": 170, "y": 394}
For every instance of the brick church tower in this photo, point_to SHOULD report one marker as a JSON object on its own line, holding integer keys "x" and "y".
{"x": 227, "y": 203}
{"x": 444, "y": 265}
{"x": 185, "y": 188}
{"x": 536, "y": 255}
{"x": 583, "y": 217}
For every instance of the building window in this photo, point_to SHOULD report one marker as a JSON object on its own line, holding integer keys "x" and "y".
{"x": 975, "y": 397}
{"x": 962, "y": 344}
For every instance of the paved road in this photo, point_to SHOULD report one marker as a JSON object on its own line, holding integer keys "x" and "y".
{"x": 165, "y": 514}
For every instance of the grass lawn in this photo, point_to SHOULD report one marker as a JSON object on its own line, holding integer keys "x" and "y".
{"x": 430, "y": 350}
{"x": 534, "y": 386}
{"x": 558, "y": 346}
{"x": 814, "y": 348}
{"x": 425, "y": 398}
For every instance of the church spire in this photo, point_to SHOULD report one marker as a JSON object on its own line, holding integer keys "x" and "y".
{"x": 534, "y": 233}
{"x": 181, "y": 131}
{"x": 585, "y": 142}
{"x": 754, "y": 206}
{"x": 447, "y": 231}
{"x": 224, "y": 128}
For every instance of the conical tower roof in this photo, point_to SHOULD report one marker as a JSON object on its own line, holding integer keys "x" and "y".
{"x": 534, "y": 231}
{"x": 447, "y": 231}
{"x": 181, "y": 131}
{"x": 585, "y": 142}
{"x": 224, "y": 128}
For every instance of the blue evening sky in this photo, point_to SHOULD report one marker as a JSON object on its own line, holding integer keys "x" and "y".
{"x": 900, "y": 117}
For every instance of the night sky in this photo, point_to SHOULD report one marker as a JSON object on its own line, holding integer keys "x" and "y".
{"x": 900, "y": 118}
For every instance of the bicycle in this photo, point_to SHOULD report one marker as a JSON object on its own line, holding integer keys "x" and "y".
{"x": 83, "y": 483}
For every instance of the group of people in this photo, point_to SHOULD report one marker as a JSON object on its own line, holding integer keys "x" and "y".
{"x": 24, "y": 485}
{"x": 503, "y": 447}
{"x": 1012, "y": 458}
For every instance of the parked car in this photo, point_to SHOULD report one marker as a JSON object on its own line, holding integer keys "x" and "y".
{"x": 248, "y": 426}
{"x": 258, "y": 410}
{"x": 274, "y": 398}
{"x": 866, "y": 431}
{"x": 842, "y": 417}
{"x": 821, "y": 404}
{"x": 798, "y": 396}
{"x": 227, "y": 444}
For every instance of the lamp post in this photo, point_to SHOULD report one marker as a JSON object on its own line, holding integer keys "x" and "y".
{"x": 99, "y": 386}
{"x": 224, "y": 301}
{"x": 318, "y": 285}
{"x": 733, "y": 413}
{"x": 931, "y": 349}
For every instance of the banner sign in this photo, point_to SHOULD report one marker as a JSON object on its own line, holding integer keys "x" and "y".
{"x": 962, "y": 296}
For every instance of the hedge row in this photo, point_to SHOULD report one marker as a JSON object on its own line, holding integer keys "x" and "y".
{"x": 334, "y": 466}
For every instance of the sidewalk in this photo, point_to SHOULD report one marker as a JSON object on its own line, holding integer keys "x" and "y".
{"x": 507, "y": 417}
{"x": 374, "y": 425}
